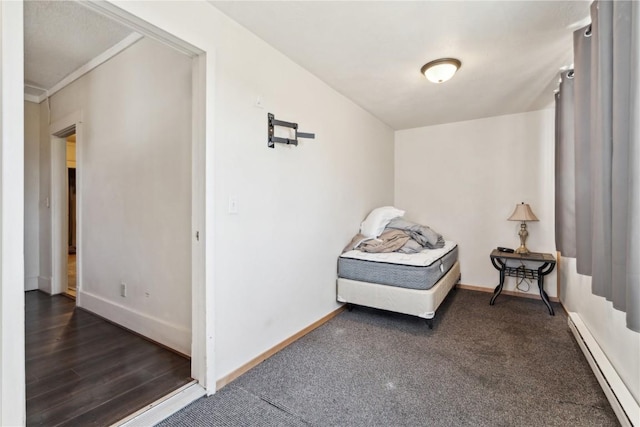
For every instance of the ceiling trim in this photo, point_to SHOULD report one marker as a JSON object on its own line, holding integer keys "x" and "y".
{"x": 94, "y": 63}
{"x": 32, "y": 98}
{"x": 114, "y": 12}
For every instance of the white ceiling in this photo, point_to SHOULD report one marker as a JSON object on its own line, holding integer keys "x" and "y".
{"x": 60, "y": 37}
{"x": 372, "y": 52}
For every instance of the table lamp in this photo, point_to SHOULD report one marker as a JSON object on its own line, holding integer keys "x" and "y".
{"x": 523, "y": 213}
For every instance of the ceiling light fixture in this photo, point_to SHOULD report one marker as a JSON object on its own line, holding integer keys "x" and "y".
{"x": 440, "y": 70}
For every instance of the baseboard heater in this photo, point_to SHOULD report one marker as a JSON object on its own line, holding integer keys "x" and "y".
{"x": 624, "y": 405}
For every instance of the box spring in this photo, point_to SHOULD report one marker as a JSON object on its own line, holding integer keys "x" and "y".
{"x": 415, "y": 302}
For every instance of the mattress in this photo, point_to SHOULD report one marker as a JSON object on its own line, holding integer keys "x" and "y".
{"x": 412, "y": 271}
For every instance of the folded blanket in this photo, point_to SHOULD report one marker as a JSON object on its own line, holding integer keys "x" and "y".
{"x": 422, "y": 234}
{"x": 388, "y": 241}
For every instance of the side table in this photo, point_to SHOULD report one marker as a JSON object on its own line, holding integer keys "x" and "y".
{"x": 547, "y": 264}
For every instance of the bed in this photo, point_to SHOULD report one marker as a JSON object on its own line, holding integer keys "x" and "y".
{"x": 414, "y": 284}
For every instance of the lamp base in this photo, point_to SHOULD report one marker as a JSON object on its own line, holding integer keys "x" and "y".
{"x": 523, "y": 233}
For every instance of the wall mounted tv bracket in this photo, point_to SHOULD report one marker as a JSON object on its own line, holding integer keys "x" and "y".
{"x": 271, "y": 141}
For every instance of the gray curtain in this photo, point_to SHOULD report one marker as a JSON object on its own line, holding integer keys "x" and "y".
{"x": 565, "y": 170}
{"x": 582, "y": 111}
{"x": 605, "y": 141}
{"x": 633, "y": 218}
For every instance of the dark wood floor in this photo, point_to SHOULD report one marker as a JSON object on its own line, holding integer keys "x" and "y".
{"x": 84, "y": 371}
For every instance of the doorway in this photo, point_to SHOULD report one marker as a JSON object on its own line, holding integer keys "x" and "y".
{"x": 202, "y": 330}
{"x": 66, "y": 250}
{"x": 71, "y": 217}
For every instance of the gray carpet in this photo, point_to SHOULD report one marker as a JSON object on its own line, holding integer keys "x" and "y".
{"x": 510, "y": 364}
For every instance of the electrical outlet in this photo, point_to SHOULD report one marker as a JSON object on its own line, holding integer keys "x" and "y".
{"x": 123, "y": 289}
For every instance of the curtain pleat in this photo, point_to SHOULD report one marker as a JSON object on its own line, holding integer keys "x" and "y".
{"x": 565, "y": 168}
{"x": 582, "y": 128}
{"x": 621, "y": 119}
{"x": 633, "y": 195}
{"x": 601, "y": 145}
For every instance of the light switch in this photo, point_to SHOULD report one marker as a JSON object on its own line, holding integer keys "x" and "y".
{"x": 233, "y": 205}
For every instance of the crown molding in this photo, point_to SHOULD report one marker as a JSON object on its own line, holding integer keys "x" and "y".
{"x": 86, "y": 68}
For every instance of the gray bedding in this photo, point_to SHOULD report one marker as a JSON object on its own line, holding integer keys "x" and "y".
{"x": 400, "y": 275}
{"x": 425, "y": 236}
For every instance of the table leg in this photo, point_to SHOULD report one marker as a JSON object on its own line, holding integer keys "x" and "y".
{"x": 543, "y": 294}
{"x": 498, "y": 288}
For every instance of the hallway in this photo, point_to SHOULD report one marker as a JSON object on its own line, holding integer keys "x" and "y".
{"x": 83, "y": 370}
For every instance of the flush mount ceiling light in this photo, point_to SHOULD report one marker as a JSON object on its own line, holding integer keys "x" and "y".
{"x": 440, "y": 70}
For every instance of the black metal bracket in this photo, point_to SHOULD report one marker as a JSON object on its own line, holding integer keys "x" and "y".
{"x": 272, "y": 139}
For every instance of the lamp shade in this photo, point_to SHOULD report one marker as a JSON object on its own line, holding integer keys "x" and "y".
{"x": 440, "y": 70}
{"x": 523, "y": 212}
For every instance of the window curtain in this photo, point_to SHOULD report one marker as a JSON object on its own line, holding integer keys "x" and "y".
{"x": 597, "y": 156}
{"x": 565, "y": 170}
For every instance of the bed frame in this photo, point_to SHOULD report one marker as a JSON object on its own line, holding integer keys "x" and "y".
{"x": 415, "y": 302}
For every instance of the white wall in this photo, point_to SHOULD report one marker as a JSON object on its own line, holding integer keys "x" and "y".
{"x": 464, "y": 179}
{"x": 134, "y": 194}
{"x": 298, "y": 206}
{"x": 274, "y": 265}
{"x": 12, "y": 376}
{"x": 607, "y": 325}
{"x": 31, "y": 195}
{"x": 44, "y": 213}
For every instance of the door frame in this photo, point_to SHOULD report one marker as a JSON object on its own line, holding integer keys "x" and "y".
{"x": 12, "y": 362}
{"x": 59, "y": 131}
{"x": 201, "y": 364}
{"x": 202, "y": 304}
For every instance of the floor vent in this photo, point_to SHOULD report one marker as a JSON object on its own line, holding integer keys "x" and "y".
{"x": 622, "y": 402}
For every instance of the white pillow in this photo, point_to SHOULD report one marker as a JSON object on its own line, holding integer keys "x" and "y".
{"x": 377, "y": 220}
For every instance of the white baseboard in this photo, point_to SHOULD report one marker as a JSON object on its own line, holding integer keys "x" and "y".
{"x": 624, "y": 405}
{"x": 513, "y": 293}
{"x": 31, "y": 283}
{"x": 164, "y": 407}
{"x": 173, "y": 336}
